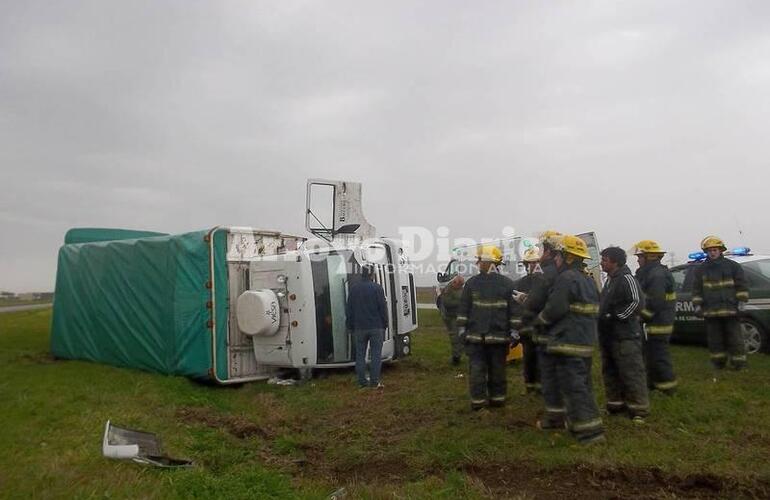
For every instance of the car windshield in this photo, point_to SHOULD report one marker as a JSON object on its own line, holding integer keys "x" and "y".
{"x": 760, "y": 266}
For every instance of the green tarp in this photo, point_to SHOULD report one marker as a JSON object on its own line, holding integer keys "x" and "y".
{"x": 141, "y": 303}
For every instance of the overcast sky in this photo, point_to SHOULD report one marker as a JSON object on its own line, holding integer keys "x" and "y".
{"x": 633, "y": 119}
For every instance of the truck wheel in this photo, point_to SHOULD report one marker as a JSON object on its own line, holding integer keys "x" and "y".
{"x": 755, "y": 338}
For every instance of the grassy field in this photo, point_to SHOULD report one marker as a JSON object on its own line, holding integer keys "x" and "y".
{"x": 426, "y": 295}
{"x": 16, "y": 302}
{"x": 415, "y": 439}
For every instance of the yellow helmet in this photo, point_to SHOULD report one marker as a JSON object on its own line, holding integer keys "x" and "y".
{"x": 711, "y": 242}
{"x": 532, "y": 254}
{"x": 647, "y": 246}
{"x": 574, "y": 245}
{"x": 489, "y": 253}
{"x": 550, "y": 238}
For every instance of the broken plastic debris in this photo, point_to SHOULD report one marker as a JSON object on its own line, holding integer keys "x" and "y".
{"x": 338, "y": 494}
{"x": 281, "y": 381}
{"x": 141, "y": 447}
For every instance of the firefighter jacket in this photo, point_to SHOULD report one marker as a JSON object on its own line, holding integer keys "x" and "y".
{"x": 569, "y": 315}
{"x": 621, "y": 302}
{"x": 524, "y": 284}
{"x": 450, "y": 301}
{"x": 657, "y": 284}
{"x": 718, "y": 287}
{"x": 536, "y": 300}
{"x": 486, "y": 309}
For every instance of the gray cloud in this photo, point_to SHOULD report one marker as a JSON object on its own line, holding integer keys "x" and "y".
{"x": 634, "y": 119}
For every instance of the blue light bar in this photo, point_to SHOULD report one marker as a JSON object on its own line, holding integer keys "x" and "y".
{"x": 697, "y": 256}
{"x": 740, "y": 251}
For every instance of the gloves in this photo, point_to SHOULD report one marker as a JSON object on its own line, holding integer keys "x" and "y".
{"x": 519, "y": 297}
{"x": 461, "y": 334}
{"x": 515, "y": 338}
{"x": 699, "y": 311}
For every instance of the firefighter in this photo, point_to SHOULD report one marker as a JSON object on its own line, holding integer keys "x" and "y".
{"x": 484, "y": 323}
{"x": 534, "y": 276}
{"x": 719, "y": 293}
{"x": 569, "y": 318}
{"x": 620, "y": 339}
{"x": 657, "y": 283}
{"x": 555, "y": 411}
{"x": 449, "y": 302}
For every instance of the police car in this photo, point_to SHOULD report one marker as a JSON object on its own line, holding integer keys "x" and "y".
{"x": 755, "y": 320}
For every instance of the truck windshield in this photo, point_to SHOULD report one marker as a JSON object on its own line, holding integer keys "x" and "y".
{"x": 332, "y": 273}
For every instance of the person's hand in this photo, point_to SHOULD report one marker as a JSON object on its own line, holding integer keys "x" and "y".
{"x": 698, "y": 311}
{"x": 519, "y": 297}
{"x": 461, "y": 334}
{"x": 515, "y": 338}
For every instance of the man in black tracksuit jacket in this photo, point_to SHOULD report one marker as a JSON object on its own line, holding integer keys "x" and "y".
{"x": 484, "y": 322}
{"x": 620, "y": 338}
{"x": 719, "y": 288}
{"x": 657, "y": 283}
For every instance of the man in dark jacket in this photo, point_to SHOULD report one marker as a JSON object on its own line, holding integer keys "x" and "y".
{"x": 569, "y": 318}
{"x": 719, "y": 293}
{"x": 531, "y": 259}
{"x": 448, "y": 305}
{"x": 367, "y": 318}
{"x": 533, "y": 304}
{"x": 657, "y": 283}
{"x": 484, "y": 323}
{"x": 620, "y": 338}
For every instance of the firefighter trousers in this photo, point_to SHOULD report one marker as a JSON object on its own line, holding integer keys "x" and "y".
{"x": 725, "y": 337}
{"x": 625, "y": 379}
{"x": 660, "y": 369}
{"x": 567, "y": 392}
{"x": 531, "y": 370}
{"x": 488, "y": 384}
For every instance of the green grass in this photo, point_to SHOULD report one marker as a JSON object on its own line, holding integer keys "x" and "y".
{"x": 415, "y": 439}
{"x": 17, "y": 302}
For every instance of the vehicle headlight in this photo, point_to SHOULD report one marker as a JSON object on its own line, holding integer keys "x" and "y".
{"x": 405, "y": 339}
{"x": 406, "y": 349}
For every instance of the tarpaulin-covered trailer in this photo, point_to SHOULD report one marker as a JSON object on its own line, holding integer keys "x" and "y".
{"x": 158, "y": 302}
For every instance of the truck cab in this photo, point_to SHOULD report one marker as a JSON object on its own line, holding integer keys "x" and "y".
{"x": 290, "y": 308}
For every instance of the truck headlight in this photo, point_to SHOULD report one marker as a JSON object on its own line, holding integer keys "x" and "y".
{"x": 405, "y": 349}
{"x": 405, "y": 339}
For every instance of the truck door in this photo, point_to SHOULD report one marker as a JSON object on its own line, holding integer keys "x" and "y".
{"x": 381, "y": 257}
{"x": 331, "y": 283}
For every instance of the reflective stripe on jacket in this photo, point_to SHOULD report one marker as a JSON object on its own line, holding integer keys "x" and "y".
{"x": 718, "y": 286}
{"x": 657, "y": 283}
{"x": 486, "y": 309}
{"x": 569, "y": 314}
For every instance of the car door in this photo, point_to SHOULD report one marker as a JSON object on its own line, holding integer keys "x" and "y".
{"x": 688, "y": 328}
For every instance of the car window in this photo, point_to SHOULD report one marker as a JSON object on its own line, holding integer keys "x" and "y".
{"x": 679, "y": 275}
{"x": 689, "y": 278}
{"x": 761, "y": 267}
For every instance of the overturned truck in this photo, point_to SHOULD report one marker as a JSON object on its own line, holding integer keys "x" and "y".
{"x": 228, "y": 304}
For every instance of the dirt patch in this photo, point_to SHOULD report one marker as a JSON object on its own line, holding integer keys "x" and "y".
{"x": 235, "y": 425}
{"x": 40, "y": 358}
{"x": 583, "y": 481}
{"x": 524, "y": 480}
